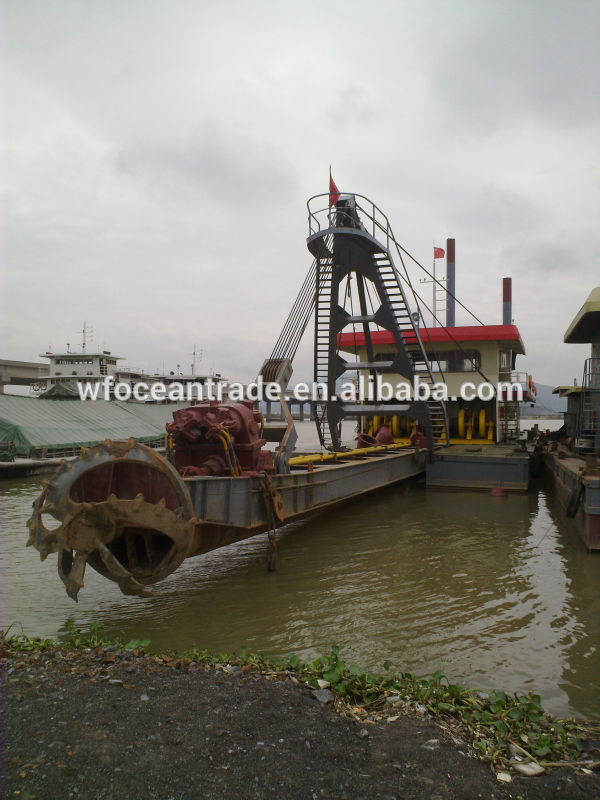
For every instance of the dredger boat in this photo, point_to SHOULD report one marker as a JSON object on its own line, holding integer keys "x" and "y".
{"x": 134, "y": 515}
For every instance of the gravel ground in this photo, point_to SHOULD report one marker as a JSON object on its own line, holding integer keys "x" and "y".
{"x": 100, "y": 724}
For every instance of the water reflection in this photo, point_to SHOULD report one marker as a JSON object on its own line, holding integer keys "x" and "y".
{"x": 578, "y": 630}
{"x": 498, "y": 594}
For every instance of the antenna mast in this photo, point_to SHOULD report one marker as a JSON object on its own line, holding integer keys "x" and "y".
{"x": 84, "y": 336}
{"x": 195, "y": 354}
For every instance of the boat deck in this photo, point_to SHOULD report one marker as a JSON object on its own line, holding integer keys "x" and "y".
{"x": 578, "y": 490}
{"x": 479, "y": 466}
{"x": 240, "y": 502}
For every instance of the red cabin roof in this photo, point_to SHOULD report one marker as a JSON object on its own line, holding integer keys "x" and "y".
{"x": 465, "y": 333}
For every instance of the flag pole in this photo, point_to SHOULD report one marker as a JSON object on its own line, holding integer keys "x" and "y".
{"x": 329, "y": 197}
{"x": 434, "y": 294}
{"x": 433, "y": 273}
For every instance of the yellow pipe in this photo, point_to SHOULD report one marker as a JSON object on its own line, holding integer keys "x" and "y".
{"x": 396, "y": 425}
{"x": 461, "y": 424}
{"x": 315, "y": 458}
{"x": 482, "y": 424}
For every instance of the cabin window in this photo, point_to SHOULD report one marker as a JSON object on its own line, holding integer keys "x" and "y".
{"x": 504, "y": 360}
{"x": 468, "y": 361}
{"x": 456, "y": 360}
{"x": 444, "y": 360}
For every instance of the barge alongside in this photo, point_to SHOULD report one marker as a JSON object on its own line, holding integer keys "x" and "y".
{"x": 573, "y": 464}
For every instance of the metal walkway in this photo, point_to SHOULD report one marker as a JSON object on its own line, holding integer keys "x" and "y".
{"x": 357, "y": 283}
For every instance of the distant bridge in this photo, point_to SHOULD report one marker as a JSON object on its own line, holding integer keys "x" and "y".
{"x": 21, "y": 373}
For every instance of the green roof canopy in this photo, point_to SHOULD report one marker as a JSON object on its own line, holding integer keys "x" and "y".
{"x": 53, "y": 425}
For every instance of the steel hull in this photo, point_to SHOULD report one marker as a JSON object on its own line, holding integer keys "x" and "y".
{"x": 232, "y": 509}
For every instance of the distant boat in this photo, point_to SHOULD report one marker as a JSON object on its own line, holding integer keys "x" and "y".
{"x": 69, "y": 368}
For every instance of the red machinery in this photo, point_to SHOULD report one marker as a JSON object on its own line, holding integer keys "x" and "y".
{"x": 215, "y": 438}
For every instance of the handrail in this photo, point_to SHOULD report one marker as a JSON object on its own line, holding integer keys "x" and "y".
{"x": 328, "y": 211}
{"x": 591, "y": 379}
{"x": 386, "y": 230}
{"x": 338, "y": 213}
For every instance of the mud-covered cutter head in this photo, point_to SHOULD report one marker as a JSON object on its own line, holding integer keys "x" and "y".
{"x": 121, "y": 508}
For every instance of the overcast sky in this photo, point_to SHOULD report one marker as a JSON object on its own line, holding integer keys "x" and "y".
{"x": 158, "y": 158}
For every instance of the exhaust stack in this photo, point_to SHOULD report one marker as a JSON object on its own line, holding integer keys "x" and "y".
{"x": 450, "y": 284}
{"x": 507, "y": 301}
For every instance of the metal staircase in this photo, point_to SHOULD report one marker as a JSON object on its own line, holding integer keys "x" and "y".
{"x": 322, "y": 340}
{"x": 355, "y": 265}
{"x": 588, "y": 427}
{"x": 509, "y": 421}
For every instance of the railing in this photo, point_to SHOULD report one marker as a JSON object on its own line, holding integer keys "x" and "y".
{"x": 321, "y": 217}
{"x": 588, "y": 426}
{"x": 591, "y": 374}
{"x": 523, "y": 379}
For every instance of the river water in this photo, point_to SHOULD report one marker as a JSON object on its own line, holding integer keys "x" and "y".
{"x": 499, "y": 593}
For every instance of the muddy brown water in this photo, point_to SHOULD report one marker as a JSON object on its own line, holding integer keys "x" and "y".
{"x": 497, "y": 593}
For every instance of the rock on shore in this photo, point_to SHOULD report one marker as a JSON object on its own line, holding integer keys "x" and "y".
{"x": 84, "y": 724}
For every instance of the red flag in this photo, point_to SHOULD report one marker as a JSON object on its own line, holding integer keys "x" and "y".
{"x": 438, "y": 252}
{"x": 334, "y": 192}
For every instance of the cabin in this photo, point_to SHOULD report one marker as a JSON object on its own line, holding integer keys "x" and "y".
{"x": 462, "y": 355}
{"x": 582, "y": 418}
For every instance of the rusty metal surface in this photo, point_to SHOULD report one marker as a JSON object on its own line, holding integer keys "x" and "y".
{"x": 123, "y": 509}
{"x": 213, "y": 438}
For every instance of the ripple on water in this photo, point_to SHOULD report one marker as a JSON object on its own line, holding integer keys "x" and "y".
{"x": 497, "y": 595}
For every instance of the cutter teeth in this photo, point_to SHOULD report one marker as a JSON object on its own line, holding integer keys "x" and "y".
{"x": 84, "y": 525}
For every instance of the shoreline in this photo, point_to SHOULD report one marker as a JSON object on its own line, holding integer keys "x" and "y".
{"x": 393, "y": 726}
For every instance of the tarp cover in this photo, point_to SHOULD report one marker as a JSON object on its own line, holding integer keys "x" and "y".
{"x": 34, "y": 425}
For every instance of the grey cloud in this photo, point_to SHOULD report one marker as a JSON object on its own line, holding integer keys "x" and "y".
{"x": 162, "y": 157}
{"x": 351, "y": 106}
{"x": 536, "y": 60}
{"x": 225, "y": 166}
{"x": 491, "y": 210}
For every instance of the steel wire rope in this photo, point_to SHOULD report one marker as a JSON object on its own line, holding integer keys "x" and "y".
{"x": 349, "y": 292}
{"x": 418, "y": 297}
{"x": 297, "y": 322}
{"x": 389, "y": 234}
{"x": 457, "y": 343}
{"x": 299, "y": 316}
{"x": 297, "y": 319}
{"x": 429, "y": 274}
